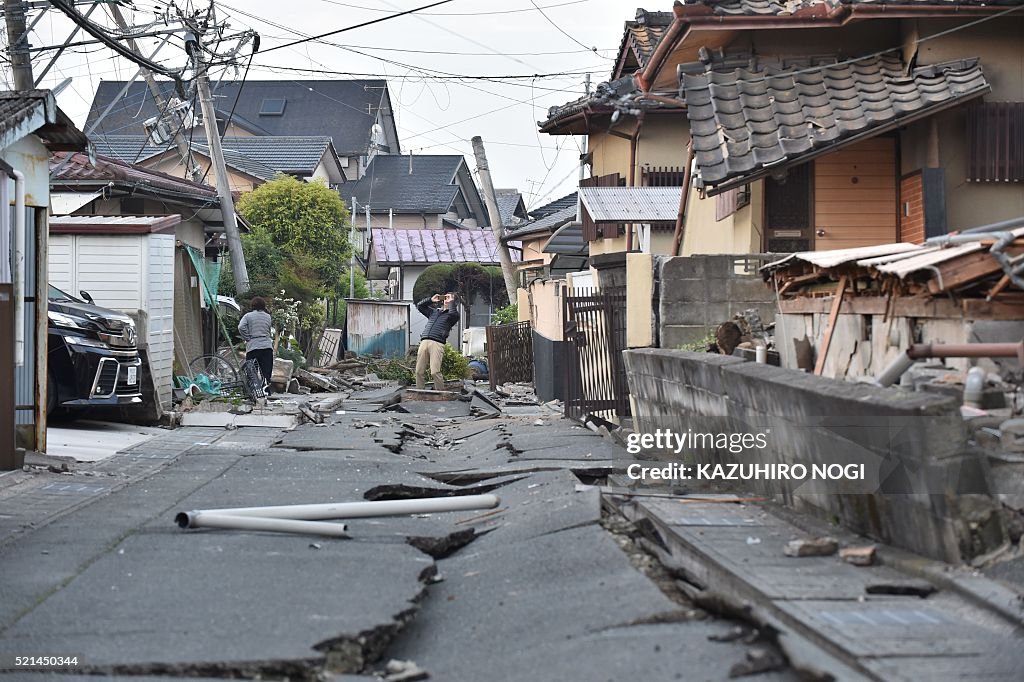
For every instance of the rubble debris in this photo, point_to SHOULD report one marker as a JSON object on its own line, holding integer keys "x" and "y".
{"x": 293, "y": 387}
{"x": 858, "y": 556}
{"x": 759, "y": 660}
{"x": 903, "y": 588}
{"x": 429, "y": 394}
{"x": 283, "y": 371}
{"x": 826, "y": 546}
{"x": 404, "y": 671}
{"x": 315, "y": 381}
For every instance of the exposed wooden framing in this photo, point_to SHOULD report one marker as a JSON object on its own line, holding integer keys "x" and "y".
{"x": 826, "y": 341}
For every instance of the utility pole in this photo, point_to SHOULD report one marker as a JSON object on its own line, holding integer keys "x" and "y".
{"x": 17, "y": 44}
{"x": 227, "y": 203}
{"x": 352, "y": 252}
{"x": 494, "y": 216}
{"x": 184, "y": 151}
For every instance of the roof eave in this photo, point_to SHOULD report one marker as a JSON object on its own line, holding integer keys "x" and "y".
{"x": 733, "y": 183}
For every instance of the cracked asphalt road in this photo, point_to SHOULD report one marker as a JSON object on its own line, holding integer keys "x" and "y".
{"x": 535, "y": 590}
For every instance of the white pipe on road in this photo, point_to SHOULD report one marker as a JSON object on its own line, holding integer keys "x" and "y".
{"x": 208, "y": 520}
{"x": 360, "y": 510}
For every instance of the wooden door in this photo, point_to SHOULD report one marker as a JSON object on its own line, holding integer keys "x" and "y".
{"x": 855, "y": 196}
{"x": 787, "y": 211}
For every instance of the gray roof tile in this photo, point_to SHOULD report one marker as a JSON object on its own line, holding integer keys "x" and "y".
{"x": 741, "y": 8}
{"x": 259, "y": 156}
{"x": 744, "y": 121}
{"x": 343, "y": 110}
{"x": 417, "y": 184}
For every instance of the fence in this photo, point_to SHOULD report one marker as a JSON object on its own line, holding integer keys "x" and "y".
{"x": 595, "y": 335}
{"x": 509, "y": 353}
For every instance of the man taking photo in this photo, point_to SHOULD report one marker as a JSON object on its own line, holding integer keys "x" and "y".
{"x": 440, "y": 321}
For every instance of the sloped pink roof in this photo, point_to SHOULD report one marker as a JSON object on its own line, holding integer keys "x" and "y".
{"x": 405, "y": 247}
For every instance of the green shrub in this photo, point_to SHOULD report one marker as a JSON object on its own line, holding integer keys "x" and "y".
{"x": 506, "y": 314}
{"x": 455, "y": 365}
{"x": 390, "y": 369}
{"x": 291, "y": 353}
{"x": 702, "y": 345}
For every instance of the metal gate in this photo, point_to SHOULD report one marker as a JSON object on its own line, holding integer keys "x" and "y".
{"x": 595, "y": 336}
{"x": 510, "y": 353}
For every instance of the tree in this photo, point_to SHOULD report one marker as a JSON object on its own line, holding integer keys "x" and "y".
{"x": 297, "y": 248}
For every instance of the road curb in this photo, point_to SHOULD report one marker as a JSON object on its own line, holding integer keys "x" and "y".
{"x": 978, "y": 589}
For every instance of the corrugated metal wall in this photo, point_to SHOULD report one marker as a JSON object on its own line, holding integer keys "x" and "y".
{"x": 161, "y": 313}
{"x": 378, "y": 328}
{"x": 24, "y": 376}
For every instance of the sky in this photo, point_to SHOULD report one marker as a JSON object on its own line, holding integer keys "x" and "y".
{"x": 436, "y": 115}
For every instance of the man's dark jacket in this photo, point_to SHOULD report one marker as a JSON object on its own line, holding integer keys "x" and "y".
{"x": 439, "y": 320}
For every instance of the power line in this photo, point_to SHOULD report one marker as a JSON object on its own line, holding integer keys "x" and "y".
{"x": 458, "y": 14}
{"x": 98, "y": 33}
{"x": 355, "y": 26}
{"x": 567, "y": 35}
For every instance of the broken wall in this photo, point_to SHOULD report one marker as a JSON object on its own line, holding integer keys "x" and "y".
{"x": 693, "y": 295}
{"x": 926, "y": 489}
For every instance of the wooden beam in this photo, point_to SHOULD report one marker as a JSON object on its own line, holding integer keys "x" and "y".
{"x": 826, "y": 341}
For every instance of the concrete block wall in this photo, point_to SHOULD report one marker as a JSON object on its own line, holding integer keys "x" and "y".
{"x": 921, "y": 472}
{"x": 698, "y": 293}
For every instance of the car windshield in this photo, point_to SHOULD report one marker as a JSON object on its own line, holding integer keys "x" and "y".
{"x": 58, "y": 296}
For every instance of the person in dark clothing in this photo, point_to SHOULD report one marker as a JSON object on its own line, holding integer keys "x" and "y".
{"x": 440, "y": 321}
{"x": 254, "y": 328}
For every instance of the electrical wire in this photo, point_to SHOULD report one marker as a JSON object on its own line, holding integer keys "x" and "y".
{"x": 567, "y": 35}
{"x": 101, "y": 35}
{"x": 355, "y": 26}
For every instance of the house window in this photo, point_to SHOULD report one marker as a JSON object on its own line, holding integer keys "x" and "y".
{"x": 272, "y": 106}
{"x": 995, "y": 142}
{"x": 730, "y": 201}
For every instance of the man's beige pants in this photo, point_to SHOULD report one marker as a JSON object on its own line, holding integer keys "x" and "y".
{"x": 430, "y": 352}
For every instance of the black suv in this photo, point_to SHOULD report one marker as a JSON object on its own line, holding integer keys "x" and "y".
{"x": 92, "y": 355}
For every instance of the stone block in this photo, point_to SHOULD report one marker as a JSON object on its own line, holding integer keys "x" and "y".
{"x": 750, "y": 289}
{"x": 283, "y": 370}
{"x": 682, "y": 267}
{"x": 677, "y": 335}
{"x": 684, "y": 291}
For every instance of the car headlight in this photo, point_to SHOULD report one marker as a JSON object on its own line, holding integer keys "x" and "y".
{"x": 84, "y": 341}
{"x": 62, "y": 320}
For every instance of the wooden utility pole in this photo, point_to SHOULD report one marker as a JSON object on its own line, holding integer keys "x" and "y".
{"x": 17, "y": 44}
{"x": 227, "y": 203}
{"x": 180, "y": 143}
{"x": 494, "y": 218}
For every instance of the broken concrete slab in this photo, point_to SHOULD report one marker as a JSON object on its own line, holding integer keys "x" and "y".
{"x": 315, "y": 609}
{"x": 445, "y": 409}
{"x": 228, "y": 420}
{"x": 429, "y": 395}
{"x": 556, "y": 574}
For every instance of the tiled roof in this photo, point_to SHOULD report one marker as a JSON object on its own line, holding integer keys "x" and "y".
{"x": 297, "y": 154}
{"x": 344, "y": 110}
{"x": 258, "y": 156}
{"x": 778, "y": 8}
{"x": 545, "y": 225}
{"x": 36, "y": 112}
{"x": 78, "y": 172}
{"x": 509, "y": 202}
{"x": 417, "y": 184}
{"x": 642, "y": 36}
{"x": 556, "y": 205}
{"x": 404, "y": 247}
{"x": 746, "y": 122}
